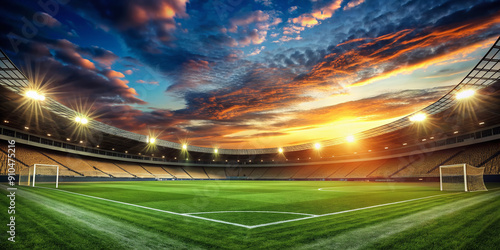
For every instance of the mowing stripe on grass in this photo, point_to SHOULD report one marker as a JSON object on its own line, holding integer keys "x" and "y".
{"x": 247, "y": 226}
{"x": 347, "y": 211}
{"x": 122, "y": 233}
{"x": 150, "y": 208}
{"x": 366, "y": 236}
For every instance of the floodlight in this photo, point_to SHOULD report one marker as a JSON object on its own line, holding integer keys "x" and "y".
{"x": 31, "y": 94}
{"x": 350, "y": 138}
{"x": 280, "y": 150}
{"x": 35, "y": 95}
{"x": 216, "y": 150}
{"x": 81, "y": 120}
{"x": 465, "y": 94}
{"x": 418, "y": 117}
{"x": 184, "y": 146}
{"x": 317, "y": 146}
{"x": 152, "y": 140}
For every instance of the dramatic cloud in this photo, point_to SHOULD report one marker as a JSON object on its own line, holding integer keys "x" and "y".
{"x": 314, "y": 18}
{"x": 240, "y": 74}
{"x": 389, "y": 105}
{"x": 353, "y": 4}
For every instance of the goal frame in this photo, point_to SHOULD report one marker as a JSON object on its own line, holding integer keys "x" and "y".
{"x": 34, "y": 174}
{"x": 464, "y": 169}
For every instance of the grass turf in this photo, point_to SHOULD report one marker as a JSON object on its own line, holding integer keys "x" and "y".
{"x": 53, "y": 219}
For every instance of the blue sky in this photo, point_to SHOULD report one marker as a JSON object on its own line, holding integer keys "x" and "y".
{"x": 249, "y": 74}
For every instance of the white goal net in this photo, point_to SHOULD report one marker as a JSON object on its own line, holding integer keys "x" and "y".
{"x": 461, "y": 177}
{"x": 40, "y": 173}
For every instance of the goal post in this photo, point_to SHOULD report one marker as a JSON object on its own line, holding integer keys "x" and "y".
{"x": 461, "y": 177}
{"x": 39, "y": 173}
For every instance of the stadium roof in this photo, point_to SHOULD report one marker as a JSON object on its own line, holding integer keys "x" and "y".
{"x": 485, "y": 73}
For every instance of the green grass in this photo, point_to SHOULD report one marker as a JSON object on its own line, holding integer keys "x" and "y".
{"x": 48, "y": 218}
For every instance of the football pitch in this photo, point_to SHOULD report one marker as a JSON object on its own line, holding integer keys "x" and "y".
{"x": 253, "y": 214}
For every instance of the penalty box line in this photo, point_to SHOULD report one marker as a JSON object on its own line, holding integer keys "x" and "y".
{"x": 150, "y": 208}
{"x": 356, "y": 209}
{"x": 346, "y": 211}
{"x": 190, "y": 215}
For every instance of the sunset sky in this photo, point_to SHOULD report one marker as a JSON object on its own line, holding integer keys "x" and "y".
{"x": 248, "y": 74}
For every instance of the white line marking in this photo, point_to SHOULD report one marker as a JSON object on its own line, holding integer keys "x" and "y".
{"x": 150, "y": 208}
{"x": 345, "y": 211}
{"x": 343, "y": 191}
{"x": 259, "y": 225}
{"x": 269, "y": 212}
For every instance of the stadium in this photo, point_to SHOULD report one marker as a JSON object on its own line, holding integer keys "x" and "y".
{"x": 90, "y": 160}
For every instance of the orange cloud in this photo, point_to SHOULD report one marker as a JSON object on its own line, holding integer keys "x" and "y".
{"x": 353, "y": 4}
{"x": 305, "y": 20}
{"x": 86, "y": 63}
{"x": 391, "y": 54}
{"x": 114, "y": 74}
{"x": 311, "y": 19}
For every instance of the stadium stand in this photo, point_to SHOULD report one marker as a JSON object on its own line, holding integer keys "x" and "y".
{"x": 232, "y": 172}
{"x": 74, "y": 162}
{"x": 390, "y": 167}
{"x": 345, "y": 169}
{"x": 109, "y": 168}
{"x": 135, "y": 169}
{"x": 493, "y": 165}
{"x": 157, "y": 171}
{"x": 196, "y": 172}
{"x": 272, "y": 173}
{"x": 476, "y": 155}
{"x": 215, "y": 173}
{"x": 246, "y": 172}
{"x": 323, "y": 171}
{"x": 419, "y": 165}
{"x": 256, "y": 173}
{"x": 289, "y": 172}
{"x": 365, "y": 169}
{"x": 4, "y": 164}
{"x": 305, "y": 172}
{"x": 30, "y": 157}
{"x": 177, "y": 172}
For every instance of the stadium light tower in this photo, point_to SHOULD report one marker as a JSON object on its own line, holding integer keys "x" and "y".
{"x": 465, "y": 94}
{"x": 419, "y": 117}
